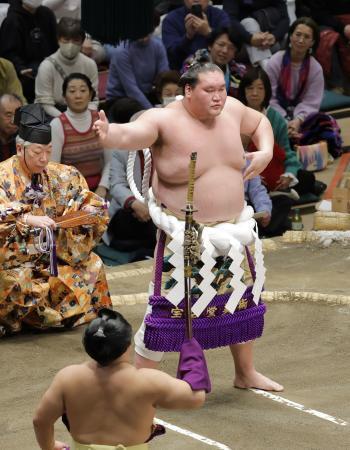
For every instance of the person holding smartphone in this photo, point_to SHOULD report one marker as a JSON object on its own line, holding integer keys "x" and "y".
{"x": 185, "y": 29}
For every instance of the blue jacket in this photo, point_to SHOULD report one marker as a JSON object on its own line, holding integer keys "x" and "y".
{"x": 256, "y": 194}
{"x": 133, "y": 69}
{"x": 178, "y": 46}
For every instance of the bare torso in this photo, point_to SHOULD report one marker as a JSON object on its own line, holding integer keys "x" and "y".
{"x": 109, "y": 405}
{"x": 219, "y": 190}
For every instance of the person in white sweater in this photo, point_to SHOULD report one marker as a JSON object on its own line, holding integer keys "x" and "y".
{"x": 74, "y": 142}
{"x": 66, "y": 60}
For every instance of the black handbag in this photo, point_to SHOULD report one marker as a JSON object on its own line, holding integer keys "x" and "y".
{"x": 267, "y": 18}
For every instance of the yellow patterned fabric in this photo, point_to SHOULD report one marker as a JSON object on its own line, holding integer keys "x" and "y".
{"x": 77, "y": 446}
{"x": 28, "y": 293}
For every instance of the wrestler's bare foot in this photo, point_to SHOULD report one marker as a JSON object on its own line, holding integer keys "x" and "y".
{"x": 256, "y": 380}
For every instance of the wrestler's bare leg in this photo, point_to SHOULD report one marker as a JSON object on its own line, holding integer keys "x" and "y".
{"x": 140, "y": 362}
{"x": 246, "y": 375}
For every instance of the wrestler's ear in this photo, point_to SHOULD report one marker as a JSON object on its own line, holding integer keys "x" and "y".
{"x": 19, "y": 149}
{"x": 188, "y": 90}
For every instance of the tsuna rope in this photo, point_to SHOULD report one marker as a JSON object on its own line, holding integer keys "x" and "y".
{"x": 143, "y": 195}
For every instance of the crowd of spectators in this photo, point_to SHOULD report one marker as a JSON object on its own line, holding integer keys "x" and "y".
{"x": 47, "y": 58}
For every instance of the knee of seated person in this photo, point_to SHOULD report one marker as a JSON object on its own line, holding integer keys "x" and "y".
{"x": 251, "y": 25}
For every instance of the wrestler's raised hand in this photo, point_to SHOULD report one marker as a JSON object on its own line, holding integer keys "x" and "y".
{"x": 39, "y": 221}
{"x": 61, "y": 446}
{"x": 258, "y": 161}
{"x": 101, "y": 126}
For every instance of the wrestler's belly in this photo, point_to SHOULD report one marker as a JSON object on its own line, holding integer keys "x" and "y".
{"x": 218, "y": 195}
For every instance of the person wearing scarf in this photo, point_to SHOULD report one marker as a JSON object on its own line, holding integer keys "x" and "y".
{"x": 48, "y": 275}
{"x": 296, "y": 77}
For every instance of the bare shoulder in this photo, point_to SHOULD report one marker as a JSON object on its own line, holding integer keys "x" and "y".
{"x": 233, "y": 105}
{"x": 156, "y": 114}
{"x": 74, "y": 370}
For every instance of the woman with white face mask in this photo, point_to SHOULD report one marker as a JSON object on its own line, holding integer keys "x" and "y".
{"x": 68, "y": 59}
{"x": 27, "y": 36}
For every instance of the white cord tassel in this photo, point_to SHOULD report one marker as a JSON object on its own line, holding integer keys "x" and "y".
{"x": 46, "y": 244}
{"x": 142, "y": 197}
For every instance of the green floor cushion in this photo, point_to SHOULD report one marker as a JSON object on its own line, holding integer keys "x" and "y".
{"x": 332, "y": 101}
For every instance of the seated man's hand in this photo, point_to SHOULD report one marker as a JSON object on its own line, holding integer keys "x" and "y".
{"x": 90, "y": 209}
{"x": 283, "y": 182}
{"x": 140, "y": 211}
{"x": 189, "y": 26}
{"x": 257, "y": 39}
{"x": 39, "y": 221}
{"x": 86, "y": 48}
{"x": 101, "y": 191}
{"x": 293, "y": 128}
{"x": 201, "y": 26}
{"x": 265, "y": 220}
{"x": 269, "y": 40}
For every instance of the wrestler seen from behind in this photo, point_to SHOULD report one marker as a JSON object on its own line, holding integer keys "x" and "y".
{"x": 209, "y": 123}
{"x": 107, "y": 401}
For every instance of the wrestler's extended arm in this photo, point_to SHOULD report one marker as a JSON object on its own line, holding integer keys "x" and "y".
{"x": 50, "y": 408}
{"x": 171, "y": 393}
{"x": 141, "y": 133}
{"x": 256, "y": 125}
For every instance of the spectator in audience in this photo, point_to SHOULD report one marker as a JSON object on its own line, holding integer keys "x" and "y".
{"x": 64, "y": 8}
{"x": 8, "y": 130}
{"x": 131, "y": 228}
{"x": 257, "y": 196}
{"x": 184, "y": 32}
{"x": 133, "y": 69}
{"x": 261, "y": 24}
{"x": 27, "y": 36}
{"x": 73, "y": 140}
{"x": 334, "y": 52}
{"x": 72, "y": 9}
{"x": 68, "y": 59}
{"x": 284, "y": 177}
{"x": 167, "y": 87}
{"x": 222, "y": 48}
{"x": 296, "y": 77}
{"x": 9, "y": 82}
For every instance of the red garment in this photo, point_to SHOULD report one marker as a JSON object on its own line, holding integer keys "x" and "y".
{"x": 275, "y": 167}
{"x": 83, "y": 150}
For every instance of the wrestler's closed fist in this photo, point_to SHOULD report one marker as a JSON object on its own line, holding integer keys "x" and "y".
{"x": 101, "y": 126}
{"x": 40, "y": 221}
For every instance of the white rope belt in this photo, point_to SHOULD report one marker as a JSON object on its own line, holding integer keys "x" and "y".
{"x": 223, "y": 239}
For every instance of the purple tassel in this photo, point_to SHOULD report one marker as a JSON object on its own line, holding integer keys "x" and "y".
{"x": 53, "y": 258}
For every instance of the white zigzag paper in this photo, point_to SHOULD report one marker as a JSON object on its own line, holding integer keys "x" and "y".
{"x": 208, "y": 292}
{"x": 259, "y": 269}
{"x": 236, "y": 282}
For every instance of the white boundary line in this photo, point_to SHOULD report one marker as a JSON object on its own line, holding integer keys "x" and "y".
{"x": 300, "y": 407}
{"x": 192, "y": 435}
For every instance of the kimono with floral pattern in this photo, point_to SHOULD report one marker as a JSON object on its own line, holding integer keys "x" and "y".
{"x": 28, "y": 293}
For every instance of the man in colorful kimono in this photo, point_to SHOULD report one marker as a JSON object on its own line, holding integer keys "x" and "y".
{"x": 49, "y": 276}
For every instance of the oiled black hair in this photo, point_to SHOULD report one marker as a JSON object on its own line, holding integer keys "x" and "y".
{"x": 107, "y": 337}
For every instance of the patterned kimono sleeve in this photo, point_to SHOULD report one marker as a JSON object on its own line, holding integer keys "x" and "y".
{"x": 75, "y": 244}
{"x": 11, "y": 217}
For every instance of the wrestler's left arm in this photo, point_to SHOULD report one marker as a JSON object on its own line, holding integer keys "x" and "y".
{"x": 256, "y": 125}
{"x": 50, "y": 408}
